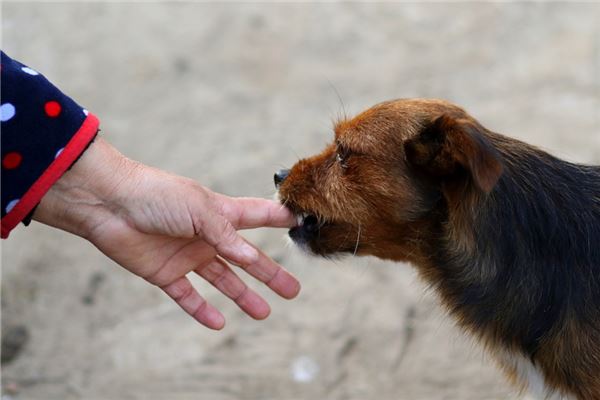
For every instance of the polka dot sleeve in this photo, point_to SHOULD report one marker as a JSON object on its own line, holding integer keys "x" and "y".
{"x": 43, "y": 132}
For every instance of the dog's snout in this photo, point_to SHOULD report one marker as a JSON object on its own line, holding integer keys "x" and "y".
{"x": 280, "y": 176}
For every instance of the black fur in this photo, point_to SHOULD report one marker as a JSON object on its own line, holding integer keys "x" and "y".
{"x": 536, "y": 260}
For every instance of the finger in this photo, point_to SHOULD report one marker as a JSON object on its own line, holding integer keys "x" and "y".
{"x": 192, "y": 303}
{"x": 220, "y": 275}
{"x": 274, "y": 276}
{"x": 231, "y": 246}
{"x": 246, "y": 213}
{"x": 219, "y": 233}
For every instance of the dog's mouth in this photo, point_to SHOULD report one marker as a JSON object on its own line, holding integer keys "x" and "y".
{"x": 307, "y": 221}
{"x": 308, "y": 226}
{"x": 307, "y": 233}
{"x": 319, "y": 235}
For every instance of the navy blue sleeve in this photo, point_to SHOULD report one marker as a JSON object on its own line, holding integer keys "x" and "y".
{"x": 43, "y": 132}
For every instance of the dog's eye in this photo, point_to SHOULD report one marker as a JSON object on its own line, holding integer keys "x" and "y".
{"x": 341, "y": 156}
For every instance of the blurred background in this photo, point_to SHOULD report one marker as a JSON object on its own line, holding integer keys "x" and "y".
{"x": 227, "y": 94}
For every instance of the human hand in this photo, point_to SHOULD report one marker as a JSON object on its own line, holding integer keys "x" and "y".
{"x": 161, "y": 227}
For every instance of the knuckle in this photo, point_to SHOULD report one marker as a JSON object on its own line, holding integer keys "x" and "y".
{"x": 199, "y": 309}
{"x": 221, "y": 277}
{"x": 270, "y": 279}
{"x": 179, "y": 291}
{"x": 160, "y": 278}
{"x": 237, "y": 298}
{"x": 212, "y": 271}
{"x": 228, "y": 235}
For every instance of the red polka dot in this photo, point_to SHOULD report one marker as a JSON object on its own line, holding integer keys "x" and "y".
{"x": 52, "y": 108}
{"x": 12, "y": 160}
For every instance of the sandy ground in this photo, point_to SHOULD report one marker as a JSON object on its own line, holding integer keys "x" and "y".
{"x": 226, "y": 94}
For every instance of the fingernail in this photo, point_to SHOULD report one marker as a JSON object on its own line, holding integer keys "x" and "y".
{"x": 249, "y": 253}
{"x": 219, "y": 321}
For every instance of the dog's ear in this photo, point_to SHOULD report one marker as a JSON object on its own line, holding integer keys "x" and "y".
{"x": 450, "y": 146}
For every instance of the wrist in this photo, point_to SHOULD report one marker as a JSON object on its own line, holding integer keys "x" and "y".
{"x": 85, "y": 195}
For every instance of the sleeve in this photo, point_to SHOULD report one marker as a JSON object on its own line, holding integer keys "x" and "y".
{"x": 43, "y": 132}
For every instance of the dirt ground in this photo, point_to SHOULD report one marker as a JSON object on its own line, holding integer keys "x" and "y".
{"x": 227, "y": 94}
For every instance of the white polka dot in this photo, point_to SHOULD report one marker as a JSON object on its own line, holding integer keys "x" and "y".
{"x": 11, "y": 205}
{"x": 7, "y": 111}
{"x": 58, "y": 152}
{"x": 29, "y": 71}
{"x": 86, "y": 112}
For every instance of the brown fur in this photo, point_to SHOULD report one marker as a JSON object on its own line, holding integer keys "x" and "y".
{"x": 422, "y": 181}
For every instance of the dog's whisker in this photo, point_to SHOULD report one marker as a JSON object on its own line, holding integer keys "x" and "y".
{"x": 297, "y": 155}
{"x": 322, "y": 222}
{"x": 337, "y": 93}
{"x": 341, "y": 246}
{"x": 357, "y": 240}
{"x": 284, "y": 204}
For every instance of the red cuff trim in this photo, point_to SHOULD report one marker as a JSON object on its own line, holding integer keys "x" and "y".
{"x": 66, "y": 158}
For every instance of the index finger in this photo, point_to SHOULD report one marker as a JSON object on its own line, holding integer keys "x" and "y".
{"x": 248, "y": 212}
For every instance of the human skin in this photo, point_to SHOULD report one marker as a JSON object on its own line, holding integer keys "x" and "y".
{"x": 161, "y": 226}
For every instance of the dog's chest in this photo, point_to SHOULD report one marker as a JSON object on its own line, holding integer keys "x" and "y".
{"x": 531, "y": 378}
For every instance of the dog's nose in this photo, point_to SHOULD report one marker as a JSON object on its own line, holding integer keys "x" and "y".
{"x": 280, "y": 176}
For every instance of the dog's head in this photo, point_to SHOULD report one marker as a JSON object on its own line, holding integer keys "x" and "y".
{"x": 372, "y": 189}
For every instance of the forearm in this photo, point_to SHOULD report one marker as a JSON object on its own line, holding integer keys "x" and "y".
{"x": 87, "y": 193}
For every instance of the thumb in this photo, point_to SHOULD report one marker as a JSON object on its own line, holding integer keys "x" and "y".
{"x": 220, "y": 234}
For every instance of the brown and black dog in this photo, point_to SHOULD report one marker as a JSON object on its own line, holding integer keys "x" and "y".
{"x": 507, "y": 234}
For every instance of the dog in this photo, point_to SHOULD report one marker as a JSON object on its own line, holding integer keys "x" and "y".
{"x": 507, "y": 234}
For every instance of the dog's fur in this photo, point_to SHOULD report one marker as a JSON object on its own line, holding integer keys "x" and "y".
{"x": 508, "y": 234}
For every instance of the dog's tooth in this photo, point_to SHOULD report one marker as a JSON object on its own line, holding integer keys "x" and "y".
{"x": 299, "y": 219}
